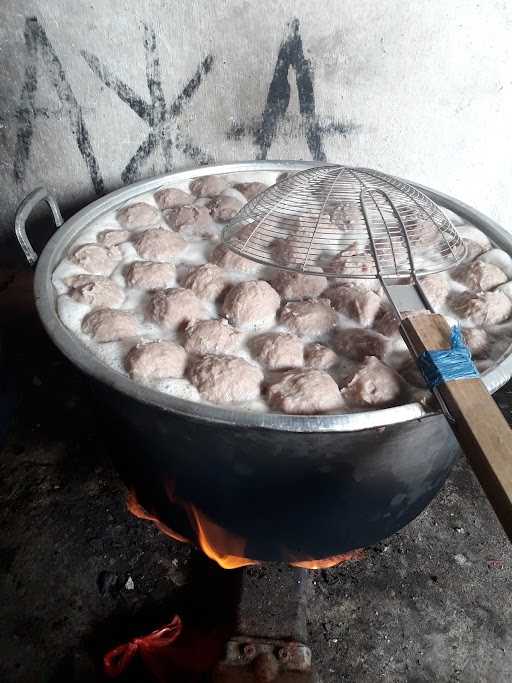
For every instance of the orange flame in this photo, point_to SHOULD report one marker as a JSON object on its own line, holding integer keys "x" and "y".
{"x": 220, "y": 545}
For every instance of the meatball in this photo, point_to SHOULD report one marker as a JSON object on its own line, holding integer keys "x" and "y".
{"x": 480, "y": 276}
{"x": 500, "y": 259}
{"x": 354, "y": 260}
{"x": 181, "y": 217}
{"x": 250, "y": 190}
{"x": 355, "y": 302}
{"x": 138, "y": 215}
{"x": 208, "y": 186}
{"x": 344, "y": 215}
{"x": 477, "y": 340}
{"x": 312, "y": 317}
{"x": 206, "y": 281}
{"x": 387, "y": 322}
{"x": 227, "y": 259}
{"x": 304, "y": 392}
{"x": 473, "y": 250}
{"x": 211, "y": 336}
{"x": 357, "y": 344}
{"x": 156, "y": 360}
{"x": 436, "y": 288}
{"x": 412, "y": 375}
{"x": 150, "y": 275}
{"x": 95, "y": 290}
{"x": 111, "y": 238}
{"x": 107, "y": 324}
{"x": 225, "y": 379}
{"x": 252, "y": 303}
{"x": 173, "y": 307}
{"x": 277, "y": 351}
{"x": 373, "y": 384}
{"x": 293, "y": 250}
{"x": 298, "y": 286}
{"x": 158, "y": 244}
{"x": 482, "y": 308}
{"x": 170, "y": 197}
{"x": 319, "y": 357}
{"x": 96, "y": 259}
{"x": 225, "y": 208}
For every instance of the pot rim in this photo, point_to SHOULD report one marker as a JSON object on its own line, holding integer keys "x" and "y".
{"x": 91, "y": 365}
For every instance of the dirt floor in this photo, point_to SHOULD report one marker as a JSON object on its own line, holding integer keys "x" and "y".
{"x": 79, "y": 574}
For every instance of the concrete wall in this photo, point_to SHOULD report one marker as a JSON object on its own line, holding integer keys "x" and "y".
{"x": 97, "y": 94}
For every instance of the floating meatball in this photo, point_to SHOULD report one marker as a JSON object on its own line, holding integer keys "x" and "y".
{"x": 156, "y": 360}
{"x": 312, "y": 317}
{"x": 345, "y": 216}
{"x": 473, "y": 250}
{"x": 319, "y": 357}
{"x": 354, "y": 260}
{"x": 150, "y": 275}
{"x": 95, "y": 290}
{"x": 171, "y": 197}
{"x": 253, "y": 303}
{"x": 277, "y": 351}
{"x": 469, "y": 232}
{"x": 500, "y": 259}
{"x": 250, "y": 190}
{"x": 173, "y": 307}
{"x": 211, "y": 336}
{"x": 208, "y": 186}
{"x": 293, "y": 250}
{"x": 158, "y": 244}
{"x": 96, "y": 259}
{"x": 224, "y": 208}
{"x": 412, "y": 375}
{"x": 304, "y": 392}
{"x": 477, "y": 340}
{"x": 355, "y": 302}
{"x": 225, "y": 379}
{"x": 181, "y": 217}
{"x": 296, "y": 286}
{"x": 138, "y": 215}
{"x": 482, "y": 308}
{"x": 387, "y": 322}
{"x": 107, "y": 324}
{"x": 357, "y": 344}
{"x": 436, "y": 288}
{"x": 480, "y": 276}
{"x": 227, "y": 259}
{"x": 373, "y": 384}
{"x": 111, "y": 238}
{"x": 206, "y": 281}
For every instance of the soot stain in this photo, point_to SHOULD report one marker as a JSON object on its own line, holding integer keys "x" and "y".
{"x": 37, "y": 44}
{"x": 158, "y": 115}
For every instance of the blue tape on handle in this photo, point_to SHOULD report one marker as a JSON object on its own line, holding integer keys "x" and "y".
{"x": 439, "y": 367}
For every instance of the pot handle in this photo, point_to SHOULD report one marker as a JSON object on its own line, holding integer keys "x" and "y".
{"x": 23, "y": 212}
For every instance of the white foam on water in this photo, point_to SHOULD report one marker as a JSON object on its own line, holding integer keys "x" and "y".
{"x": 196, "y": 253}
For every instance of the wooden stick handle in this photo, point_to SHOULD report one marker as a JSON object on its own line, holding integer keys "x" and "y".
{"x": 479, "y": 425}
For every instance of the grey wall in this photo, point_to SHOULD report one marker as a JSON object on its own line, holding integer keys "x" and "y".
{"x": 97, "y": 94}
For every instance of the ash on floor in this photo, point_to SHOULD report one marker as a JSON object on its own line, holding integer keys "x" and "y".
{"x": 79, "y": 574}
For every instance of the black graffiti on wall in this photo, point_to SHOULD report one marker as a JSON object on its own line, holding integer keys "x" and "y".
{"x": 264, "y": 128}
{"x": 162, "y": 117}
{"x": 37, "y": 44}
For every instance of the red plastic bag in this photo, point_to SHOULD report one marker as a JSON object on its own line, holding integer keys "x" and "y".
{"x": 167, "y": 652}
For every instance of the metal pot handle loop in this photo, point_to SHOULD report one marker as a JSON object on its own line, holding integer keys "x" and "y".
{"x": 24, "y": 210}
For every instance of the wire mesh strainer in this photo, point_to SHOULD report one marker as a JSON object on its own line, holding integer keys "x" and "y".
{"x": 353, "y": 223}
{"x": 346, "y": 222}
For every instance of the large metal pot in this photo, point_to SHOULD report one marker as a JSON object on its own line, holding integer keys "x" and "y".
{"x": 291, "y": 485}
